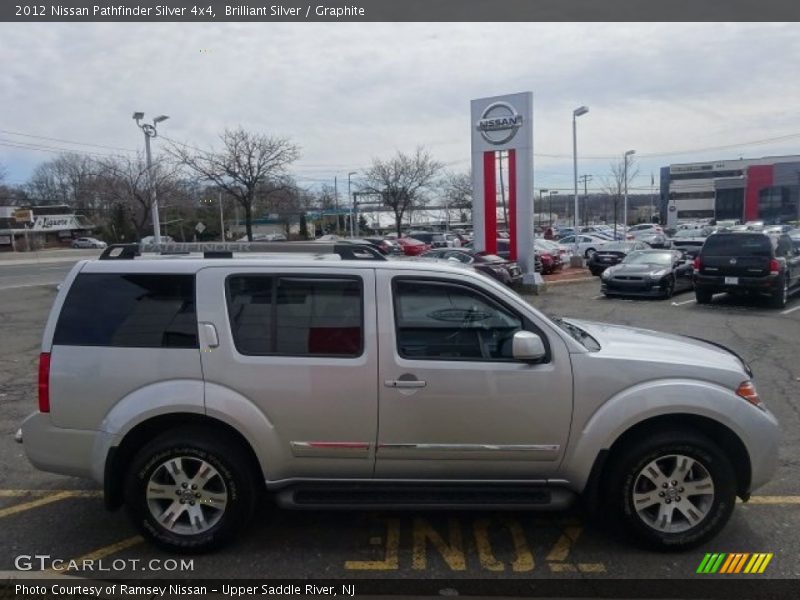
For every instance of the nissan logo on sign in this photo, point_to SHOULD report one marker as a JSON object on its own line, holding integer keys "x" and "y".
{"x": 499, "y": 123}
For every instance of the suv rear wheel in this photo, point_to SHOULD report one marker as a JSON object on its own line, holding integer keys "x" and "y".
{"x": 673, "y": 490}
{"x": 702, "y": 296}
{"x": 780, "y": 296}
{"x": 190, "y": 490}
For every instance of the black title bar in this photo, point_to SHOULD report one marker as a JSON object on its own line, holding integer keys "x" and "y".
{"x": 298, "y": 11}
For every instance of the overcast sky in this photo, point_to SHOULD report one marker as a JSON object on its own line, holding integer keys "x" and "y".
{"x": 349, "y": 92}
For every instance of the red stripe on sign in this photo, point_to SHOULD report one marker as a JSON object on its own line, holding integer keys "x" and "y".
{"x": 489, "y": 203}
{"x": 512, "y": 203}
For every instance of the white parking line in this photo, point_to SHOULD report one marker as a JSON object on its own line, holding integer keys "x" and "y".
{"x": 684, "y": 302}
{"x": 598, "y": 297}
{"x": 27, "y": 285}
{"x": 791, "y": 310}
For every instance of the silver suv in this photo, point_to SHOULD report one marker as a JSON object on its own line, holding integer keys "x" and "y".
{"x": 188, "y": 385}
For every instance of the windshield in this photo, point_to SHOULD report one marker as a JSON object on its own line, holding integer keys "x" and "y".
{"x": 661, "y": 259}
{"x": 617, "y": 247}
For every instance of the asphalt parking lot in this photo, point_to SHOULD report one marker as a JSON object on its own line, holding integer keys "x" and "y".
{"x": 46, "y": 514}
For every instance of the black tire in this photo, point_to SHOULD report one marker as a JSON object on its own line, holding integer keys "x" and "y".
{"x": 595, "y": 272}
{"x": 626, "y": 471}
{"x": 669, "y": 288}
{"x": 780, "y": 296}
{"x": 234, "y": 476}
{"x": 702, "y": 296}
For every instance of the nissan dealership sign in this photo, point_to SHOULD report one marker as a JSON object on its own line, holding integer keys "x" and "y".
{"x": 499, "y": 123}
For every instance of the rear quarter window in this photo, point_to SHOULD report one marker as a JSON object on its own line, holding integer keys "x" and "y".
{"x": 129, "y": 310}
{"x": 738, "y": 245}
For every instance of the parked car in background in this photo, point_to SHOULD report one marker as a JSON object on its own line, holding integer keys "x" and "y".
{"x": 691, "y": 240}
{"x": 384, "y": 245}
{"x": 654, "y": 240}
{"x": 747, "y": 262}
{"x": 654, "y": 273}
{"x": 587, "y": 244}
{"x": 453, "y": 240}
{"x": 778, "y": 229}
{"x": 433, "y": 239}
{"x": 644, "y": 228}
{"x": 612, "y": 254}
{"x": 88, "y": 242}
{"x": 504, "y": 271}
{"x": 551, "y": 255}
{"x": 149, "y": 239}
{"x": 412, "y": 246}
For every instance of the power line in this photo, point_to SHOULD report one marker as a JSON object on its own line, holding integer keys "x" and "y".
{"x": 45, "y": 148}
{"x": 52, "y": 139}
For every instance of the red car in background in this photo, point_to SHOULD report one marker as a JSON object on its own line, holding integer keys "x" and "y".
{"x": 550, "y": 254}
{"x": 412, "y": 247}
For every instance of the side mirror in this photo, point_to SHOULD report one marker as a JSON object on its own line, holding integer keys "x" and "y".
{"x": 527, "y": 346}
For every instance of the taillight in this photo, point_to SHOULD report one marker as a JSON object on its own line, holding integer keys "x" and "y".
{"x": 44, "y": 382}
{"x": 774, "y": 267}
{"x": 698, "y": 264}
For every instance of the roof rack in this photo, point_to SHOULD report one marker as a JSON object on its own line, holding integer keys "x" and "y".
{"x": 345, "y": 250}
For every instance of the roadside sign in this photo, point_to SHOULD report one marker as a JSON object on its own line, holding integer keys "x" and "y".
{"x": 200, "y": 228}
{"x": 23, "y": 216}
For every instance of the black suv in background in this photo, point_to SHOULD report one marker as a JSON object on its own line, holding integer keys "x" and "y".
{"x": 747, "y": 262}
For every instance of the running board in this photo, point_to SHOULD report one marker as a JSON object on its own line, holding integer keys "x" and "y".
{"x": 444, "y": 496}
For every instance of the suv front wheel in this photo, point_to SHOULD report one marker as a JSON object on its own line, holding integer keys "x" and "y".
{"x": 673, "y": 490}
{"x": 190, "y": 490}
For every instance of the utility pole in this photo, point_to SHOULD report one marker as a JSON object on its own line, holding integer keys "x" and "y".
{"x": 151, "y": 132}
{"x": 336, "y": 203}
{"x": 221, "y": 219}
{"x": 585, "y": 179}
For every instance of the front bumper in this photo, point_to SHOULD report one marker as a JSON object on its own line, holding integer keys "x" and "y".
{"x": 762, "y": 444}
{"x": 645, "y": 289}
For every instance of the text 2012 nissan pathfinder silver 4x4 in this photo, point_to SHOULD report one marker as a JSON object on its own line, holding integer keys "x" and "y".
{"x": 187, "y": 385}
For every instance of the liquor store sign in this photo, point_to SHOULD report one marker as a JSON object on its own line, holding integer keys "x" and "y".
{"x": 56, "y": 223}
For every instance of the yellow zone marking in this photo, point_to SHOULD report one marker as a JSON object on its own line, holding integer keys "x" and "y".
{"x": 100, "y": 553}
{"x": 18, "y": 508}
{"x": 391, "y": 560}
{"x": 774, "y": 500}
{"x": 73, "y": 493}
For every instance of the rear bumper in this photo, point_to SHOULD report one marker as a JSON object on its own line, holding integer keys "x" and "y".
{"x": 716, "y": 283}
{"x": 59, "y": 450}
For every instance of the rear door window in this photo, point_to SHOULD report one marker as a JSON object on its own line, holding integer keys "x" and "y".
{"x": 129, "y": 310}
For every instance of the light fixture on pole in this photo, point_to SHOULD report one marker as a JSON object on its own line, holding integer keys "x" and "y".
{"x": 150, "y": 131}
{"x": 581, "y": 110}
{"x": 625, "y": 201}
{"x": 353, "y": 203}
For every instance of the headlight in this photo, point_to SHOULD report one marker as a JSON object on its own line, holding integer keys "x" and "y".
{"x": 606, "y": 274}
{"x": 747, "y": 390}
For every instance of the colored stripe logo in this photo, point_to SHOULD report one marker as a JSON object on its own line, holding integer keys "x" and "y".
{"x": 735, "y": 562}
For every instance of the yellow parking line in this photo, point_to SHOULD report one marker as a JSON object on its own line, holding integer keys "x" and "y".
{"x": 102, "y": 552}
{"x": 18, "y": 508}
{"x": 774, "y": 500}
{"x": 76, "y": 493}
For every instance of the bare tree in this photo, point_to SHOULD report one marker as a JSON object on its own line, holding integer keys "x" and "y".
{"x": 69, "y": 179}
{"x": 458, "y": 191}
{"x": 127, "y": 188}
{"x": 614, "y": 183}
{"x": 249, "y": 164}
{"x": 402, "y": 181}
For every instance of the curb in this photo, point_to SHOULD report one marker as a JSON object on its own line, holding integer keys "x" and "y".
{"x": 572, "y": 280}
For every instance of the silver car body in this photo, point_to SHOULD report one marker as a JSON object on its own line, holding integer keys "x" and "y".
{"x": 320, "y": 418}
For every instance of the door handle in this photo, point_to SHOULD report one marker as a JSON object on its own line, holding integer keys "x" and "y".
{"x": 210, "y": 334}
{"x": 405, "y": 383}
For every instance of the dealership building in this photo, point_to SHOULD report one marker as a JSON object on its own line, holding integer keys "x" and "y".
{"x": 765, "y": 189}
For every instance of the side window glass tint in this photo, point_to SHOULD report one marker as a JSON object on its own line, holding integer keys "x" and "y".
{"x": 129, "y": 310}
{"x": 442, "y": 321}
{"x": 296, "y": 316}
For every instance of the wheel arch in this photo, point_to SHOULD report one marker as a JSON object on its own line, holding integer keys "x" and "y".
{"x": 720, "y": 434}
{"x": 120, "y": 456}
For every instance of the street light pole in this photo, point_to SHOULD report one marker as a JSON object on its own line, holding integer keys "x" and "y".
{"x": 625, "y": 201}
{"x": 550, "y": 205}
{"x": 150, "y": 131}
{"x": 352, "y": 206}
{"x": 541, "y": 204}
{"x": 581, "y": 110}
{"x": 221, "y": 218}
